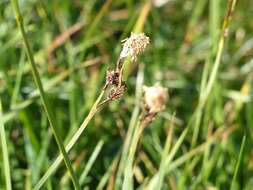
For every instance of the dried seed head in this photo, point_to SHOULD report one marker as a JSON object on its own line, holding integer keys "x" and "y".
{"x": 112, "y": 77}
{"x": 117, "y": 92}
{"x": 134, "y": 45}
{"x": 155, "y": 98}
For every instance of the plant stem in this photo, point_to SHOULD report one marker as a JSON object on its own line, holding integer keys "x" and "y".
{"x": 224, "y": 34}
{"x": 128, "y": 172}
{"x": 238, "y": 162}
{"x": 91, "y": 161}
{"x": 6, "y": 164}
{"x": 206, "y": 91}
{"x": 45, "y": 102}
{"x": 70, "y": 144}
{"x": 131, "y": 128}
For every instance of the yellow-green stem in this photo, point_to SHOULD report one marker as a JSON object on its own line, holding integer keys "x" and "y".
{"x": 6, "y": 164}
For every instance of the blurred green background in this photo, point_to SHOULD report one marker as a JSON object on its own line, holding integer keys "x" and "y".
{"x": 74, "y": 42}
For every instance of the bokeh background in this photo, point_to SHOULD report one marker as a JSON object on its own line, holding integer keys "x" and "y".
{"x": 75, "y": 42}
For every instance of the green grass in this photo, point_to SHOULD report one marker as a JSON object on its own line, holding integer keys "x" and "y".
{"x": 43, "y": 96}
{"x": 5, "y": 153}
{"x": 238, "y": 162}
{"x": 56, "y": 58}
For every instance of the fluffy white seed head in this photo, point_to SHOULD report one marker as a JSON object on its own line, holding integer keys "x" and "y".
{"x": 134, "y": 45}
{"x": 159, "y": 3}
{"x": 155, "y": 98}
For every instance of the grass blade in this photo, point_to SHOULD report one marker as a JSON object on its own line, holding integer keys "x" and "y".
{"x": 45, "y": 102}
{"x": 161, "y": 172}
{"x": 91, "y": 161}
{"x": 238, "y": 162}
{"x": 224, "y": 34}
{"x": 206, "y": 91}
{"x": 132, "y": 124}
{"x": 71, "y": 143}
{"x": 5, "y": 151}
{"x": 128, "y": 171}
{"x": 109, "y": 174}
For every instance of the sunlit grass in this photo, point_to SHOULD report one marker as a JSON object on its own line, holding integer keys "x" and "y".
{"x": 201, "y": 51}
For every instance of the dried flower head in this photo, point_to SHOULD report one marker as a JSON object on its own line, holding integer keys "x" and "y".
{"x": 112, "y": 77}
{"x": 117, "y": 92}
{"x": 114, "y": 84}
{"x": 155, "y": 98}
{"x": 134, "y": 45}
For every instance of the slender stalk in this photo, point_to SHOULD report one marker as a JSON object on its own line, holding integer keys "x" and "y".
{"x": 176, "y": 147}
{"x": 168, "y": 159}
{"x": 224, "y": 34}
{"x": 6, "y": 164}
{"x": 131, "y": 128}
{"x": 187, "y": 156}
{"x": 213, "y": 30}
{"x": 205, "y": 92}
{"x": 128, "y": 172}
{"x": 109, "y": 175}
{"x": 168, "y": 143}
{"x": 18, "y": 80}
{"x": 45, "y": 102}
{"x": 71, "y": 143}
{"x": 91, "y": 161}
{"x": 238, "y": 162}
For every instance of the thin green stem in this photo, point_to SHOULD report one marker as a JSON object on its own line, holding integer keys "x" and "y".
{"x": 187, "y": 156}
{"x": 70, "y": 144}
{"x": 130, "y": 131}
{"x": 108, "y": 173}
{"x": 45, "y": 102}
{"x": 157, "y": 180}
{"x": 168, "y": 159}
{"x": 18, "y": 80}
{"x": 168, "y": 143}
{"x": 238, "y": 162}
{"x": 213, "y": 75}
{"x": 91, "y": 161}
{"x": 224, "y": 34}
{"x": 128, "y": 171}
{"x": 214, "y": 28}
{"x": 6, "y": 164}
